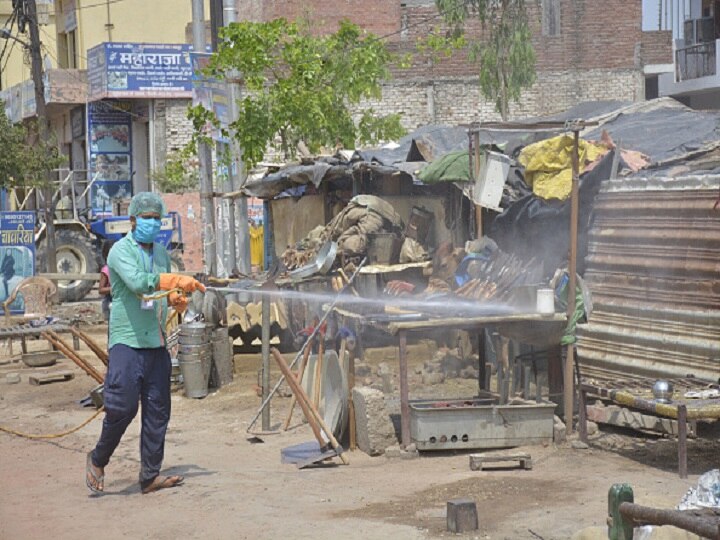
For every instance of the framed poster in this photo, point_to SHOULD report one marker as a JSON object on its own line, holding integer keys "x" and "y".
{"x": 17, "y": 254}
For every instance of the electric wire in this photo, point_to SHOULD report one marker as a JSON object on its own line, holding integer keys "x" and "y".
{"x": 98, "y": 4}
{"x": 11, "y": 21}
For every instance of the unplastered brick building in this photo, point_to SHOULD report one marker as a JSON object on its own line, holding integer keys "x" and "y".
{"x": 586, "y": 50}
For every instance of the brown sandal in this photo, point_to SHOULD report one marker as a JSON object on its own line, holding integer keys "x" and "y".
{"x": 163, "y": 482}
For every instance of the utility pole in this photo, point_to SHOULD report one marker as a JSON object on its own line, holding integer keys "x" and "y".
{"x": 207, "y": 203}
{"x": 43, "y": 127}
{"x": 237, "y": 173}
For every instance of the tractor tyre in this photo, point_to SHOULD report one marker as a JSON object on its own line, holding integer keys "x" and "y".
{"x": 75, "y": 254}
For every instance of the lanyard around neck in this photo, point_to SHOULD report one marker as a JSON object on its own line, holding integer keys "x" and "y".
{"x": 142, "y": 257}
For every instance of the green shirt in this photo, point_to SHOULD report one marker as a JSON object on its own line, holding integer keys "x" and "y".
{"x": 135, "y": 271}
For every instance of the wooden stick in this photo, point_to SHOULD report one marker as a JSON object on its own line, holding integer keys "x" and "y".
{"x": 643, "y": 515}
{"x": 301, "y": 372}
{"x": 306, "y": 405}
{"x": 94, "y": 347}
{"x": 59, "y": 344}
{"x": 351, "y": 385}
{"x": 296, "y": 389}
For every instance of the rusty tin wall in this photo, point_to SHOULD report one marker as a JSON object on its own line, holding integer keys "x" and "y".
{"x": 653, "y": 267}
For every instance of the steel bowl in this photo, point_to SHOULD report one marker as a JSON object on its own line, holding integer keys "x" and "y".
{"x": 326, "y": 257}
{"x": 663, "y": 391}
{"x": 40, "y": 359}
{"x": 321, "y": 265}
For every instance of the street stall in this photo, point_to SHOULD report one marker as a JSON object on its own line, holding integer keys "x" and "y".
{"x": 397, "y": 292}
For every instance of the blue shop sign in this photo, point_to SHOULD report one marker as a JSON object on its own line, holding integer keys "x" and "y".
{"x": 139, "y": 70}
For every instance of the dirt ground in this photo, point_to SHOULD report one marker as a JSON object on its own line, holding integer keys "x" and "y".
{"x": 237, "y": 489}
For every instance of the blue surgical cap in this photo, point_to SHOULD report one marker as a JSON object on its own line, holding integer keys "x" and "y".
{"x": 146, "y": 202}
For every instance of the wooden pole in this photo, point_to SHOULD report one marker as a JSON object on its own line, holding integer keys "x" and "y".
{"x": 404, "y": 391}
{"x": 94, "y": 347}
{"x": 476, "y": 174}
{"x": 685, "y": 520}
{"x": 297, "y": 391}
{"x": 301, "y": 372}
{"x": 308, "y": 409}
{"x": 60, "y": 345}
{"x": 569, "y": 383}
{"x": 351, "y": 385}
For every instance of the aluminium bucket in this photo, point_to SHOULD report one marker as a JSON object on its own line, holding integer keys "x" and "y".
{"x": 195, "y": 378}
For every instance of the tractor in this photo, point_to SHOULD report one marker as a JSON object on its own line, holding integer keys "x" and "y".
{"x": 80, "y": 232}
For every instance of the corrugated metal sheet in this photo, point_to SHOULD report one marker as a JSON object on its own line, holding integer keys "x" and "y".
{"x": 653, "y": 267}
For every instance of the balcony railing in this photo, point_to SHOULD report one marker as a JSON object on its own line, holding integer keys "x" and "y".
{"x": 696, "y": 61}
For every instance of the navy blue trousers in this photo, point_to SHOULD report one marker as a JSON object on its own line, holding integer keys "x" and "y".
{"x": 136, "y": 376}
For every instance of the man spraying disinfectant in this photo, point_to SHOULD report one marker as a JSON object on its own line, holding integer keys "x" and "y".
{"x": 139, "y": 366}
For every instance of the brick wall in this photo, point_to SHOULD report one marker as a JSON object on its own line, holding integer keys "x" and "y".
{"x": 656, "y": 48}
{"x": 178, "y": 128}
{"x": 188, "y": 206}
{"x": 591, "y": 35}
{"x": 458, "y": 100}
{"x": 596, "y": 52}
{"x": 377, "y": 16}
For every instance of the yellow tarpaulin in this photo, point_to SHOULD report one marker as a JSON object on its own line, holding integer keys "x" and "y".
{"x": 548, "y": 164}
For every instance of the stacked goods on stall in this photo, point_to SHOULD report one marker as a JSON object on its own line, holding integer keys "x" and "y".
{"x": 352, "y": 229}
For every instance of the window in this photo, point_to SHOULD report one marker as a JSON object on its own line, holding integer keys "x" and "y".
{"x": 67, "y": 50}
{"x": 550, "y": 18}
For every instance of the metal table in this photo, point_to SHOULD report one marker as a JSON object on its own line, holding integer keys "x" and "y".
{"x": 401, "y": 330}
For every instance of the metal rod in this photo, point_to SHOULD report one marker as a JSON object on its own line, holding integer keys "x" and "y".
{"x": 207, "y": 206}
{"x": 307, "y": 341}
{"x": 237, "y": 208}
{"x": 682, "y": 440}
{"x": 265, "y": 360}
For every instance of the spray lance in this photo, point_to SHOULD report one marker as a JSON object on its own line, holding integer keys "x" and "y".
{"x": 308, "y": 340}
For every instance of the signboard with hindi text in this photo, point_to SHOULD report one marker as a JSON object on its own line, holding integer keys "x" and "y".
{"x": 109, "y": 128}
{"x": 211, "y": 94}
{"x": 139, "y": 70}
{"x": 17, "y": 254}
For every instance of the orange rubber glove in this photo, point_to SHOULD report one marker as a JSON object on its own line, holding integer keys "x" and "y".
{"x": 168, "y": 282}
{"x": 178, "y": 301}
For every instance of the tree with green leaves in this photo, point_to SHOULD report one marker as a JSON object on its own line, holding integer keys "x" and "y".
{"x": 301, "y": 88}
{"x": 504, "y": 52}
{"x": 24, "y": 161}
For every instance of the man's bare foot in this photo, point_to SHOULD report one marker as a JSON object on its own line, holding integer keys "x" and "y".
{"x": 94, "y": 476}
{"x": 162, "y": 482}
